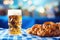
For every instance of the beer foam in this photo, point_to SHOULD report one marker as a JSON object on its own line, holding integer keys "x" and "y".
{"x": 14, "y": 12}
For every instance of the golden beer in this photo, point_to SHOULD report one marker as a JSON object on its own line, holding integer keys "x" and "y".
{"x": 15, "y": 22}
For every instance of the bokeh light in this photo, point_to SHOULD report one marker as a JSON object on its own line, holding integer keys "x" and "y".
{"x": 40, "y": 9}
{"x": 7, "y": 2}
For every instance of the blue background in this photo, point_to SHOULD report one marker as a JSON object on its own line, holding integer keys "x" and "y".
{"x": 27, "y": 21}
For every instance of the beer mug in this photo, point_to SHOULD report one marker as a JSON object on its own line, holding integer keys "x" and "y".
{"x": 14, "y": 21}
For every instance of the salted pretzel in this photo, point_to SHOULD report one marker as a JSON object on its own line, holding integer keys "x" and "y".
{"x": 46, "y": 29}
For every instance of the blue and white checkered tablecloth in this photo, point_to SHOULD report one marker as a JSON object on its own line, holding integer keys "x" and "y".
{"x": 24, "y": 36}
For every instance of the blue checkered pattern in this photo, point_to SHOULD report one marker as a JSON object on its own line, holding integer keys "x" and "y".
{"x": 24, "y": 36}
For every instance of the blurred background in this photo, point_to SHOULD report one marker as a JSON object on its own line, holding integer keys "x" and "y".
{"x": 33, "y": 11}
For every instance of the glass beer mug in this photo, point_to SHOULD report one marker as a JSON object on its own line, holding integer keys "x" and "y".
{"x": 14, "y": 22}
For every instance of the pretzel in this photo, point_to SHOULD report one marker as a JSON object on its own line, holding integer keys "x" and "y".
{"x": 46, "y": 29}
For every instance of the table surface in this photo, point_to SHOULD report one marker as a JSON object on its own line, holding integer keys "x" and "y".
{"x": 24, "y": 36}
